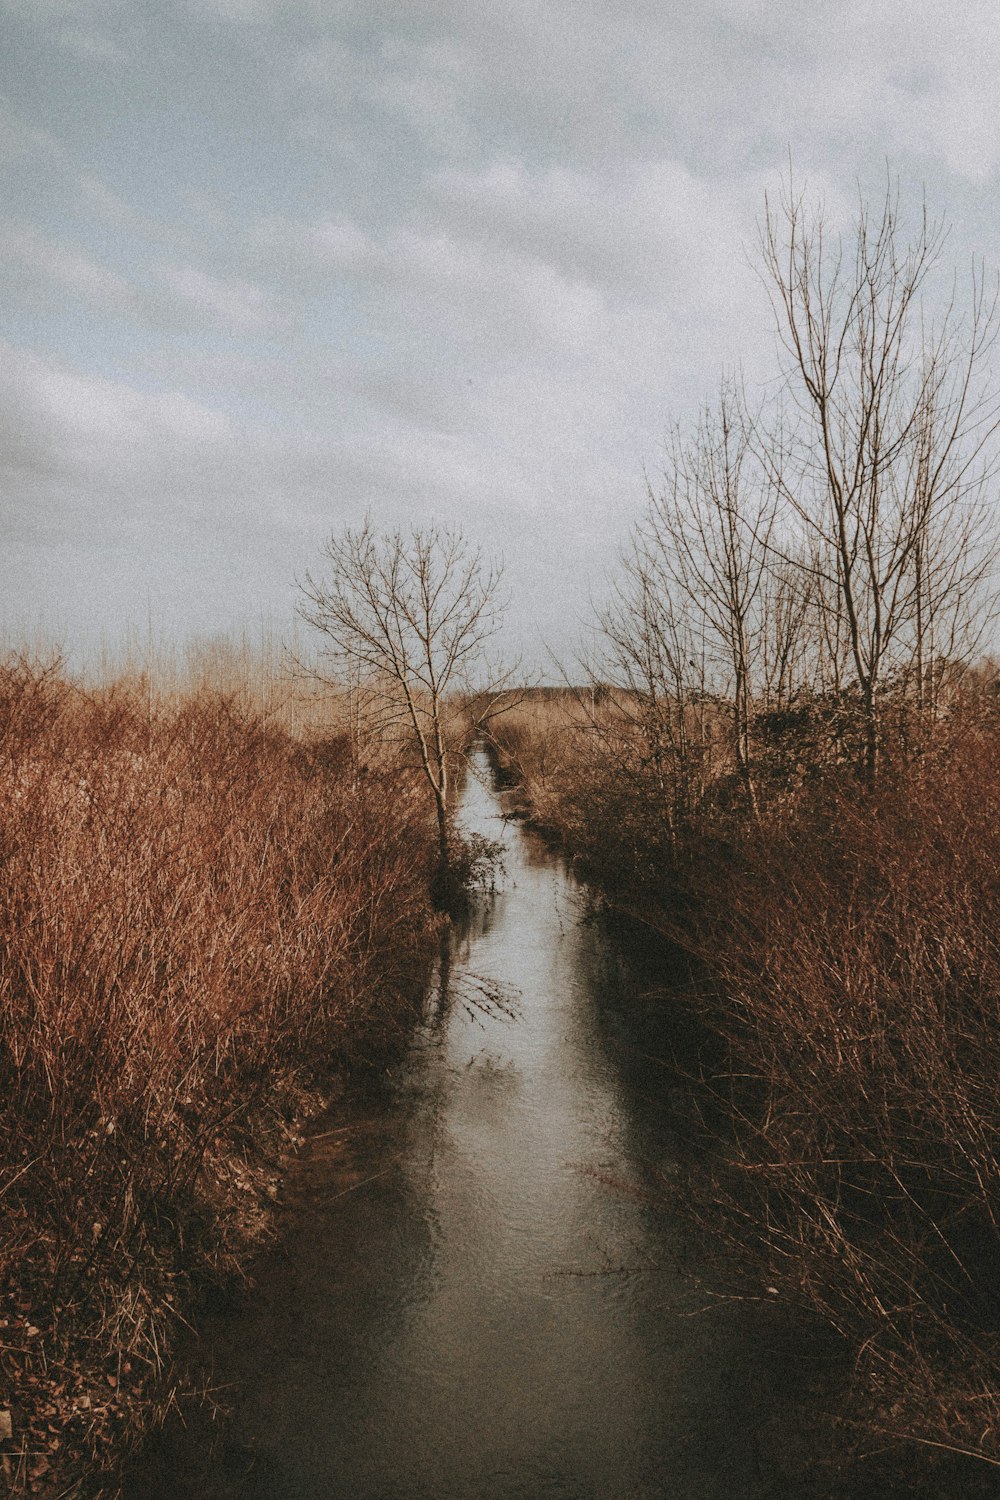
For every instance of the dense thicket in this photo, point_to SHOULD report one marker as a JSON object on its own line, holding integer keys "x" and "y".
{"x": 845, "y": 945}
{"x": 199, "y": 915}
{"x": 788, "y": 760}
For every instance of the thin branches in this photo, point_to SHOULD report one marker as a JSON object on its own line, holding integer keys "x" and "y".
{"x": 409, "y": 618}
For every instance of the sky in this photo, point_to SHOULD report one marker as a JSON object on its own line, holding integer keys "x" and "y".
{"x": 269, "y": 266}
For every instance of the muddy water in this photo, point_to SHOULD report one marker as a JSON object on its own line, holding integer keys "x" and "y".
{"x": 476, "y": 1295}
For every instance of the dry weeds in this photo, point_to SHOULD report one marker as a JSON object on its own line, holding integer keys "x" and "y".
{"x": 198, "y": 914}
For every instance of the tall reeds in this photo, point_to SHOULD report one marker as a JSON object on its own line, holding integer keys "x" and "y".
{"x": 845, "y": 946}
{"x": 852, "y": 946}
{"x": 198, "y": 914}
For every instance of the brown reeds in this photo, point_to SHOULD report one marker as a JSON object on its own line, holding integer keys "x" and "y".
{"x": 198, "y": 915}
{"x": 853, "y": 948}
{"x": 845, "y": 946}
{"x": 575, "y": 762}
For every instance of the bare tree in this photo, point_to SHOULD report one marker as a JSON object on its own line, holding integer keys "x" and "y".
{"x": 710, "y": 532}
{"x": 706, "y": 625}
{"x": 654, "y": 668}
{"x": 885, "y": 468}
{"x": 408, "y": 617}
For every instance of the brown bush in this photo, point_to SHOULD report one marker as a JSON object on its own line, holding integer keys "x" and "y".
{"x": 196, "y": 914}
{"x": 845, "y": 945}
{"x": 579, "y": 764}
{"x": 854, "y": 952}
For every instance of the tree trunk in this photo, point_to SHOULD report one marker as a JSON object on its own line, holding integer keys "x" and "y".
{"x": 872, "y": 733}
{"x": 444, "y": 891}
{"x": 444, "y": 851}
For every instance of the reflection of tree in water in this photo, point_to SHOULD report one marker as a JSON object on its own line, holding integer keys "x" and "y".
{"x": 455, "y": 988}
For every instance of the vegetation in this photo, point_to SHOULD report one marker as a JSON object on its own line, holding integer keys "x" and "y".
{"x": 200, "y": 916}
{"x": 788, "y": 761}
{"x": 843, "y": 944}
{"x": 786, "y": 758}
{"x": 407, "y": 621}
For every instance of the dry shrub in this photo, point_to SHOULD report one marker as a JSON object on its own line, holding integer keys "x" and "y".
{"x": 533, "y": 745}
{"x": 553, "y": 749}
{"x": 847, "y": 948}
{"x": 853, "y": 945}
{"x": 197, "y": 913}
{"x": 580, "y": 765}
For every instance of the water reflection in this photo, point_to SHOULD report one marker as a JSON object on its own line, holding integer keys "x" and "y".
{"x": 476, "y": 1297}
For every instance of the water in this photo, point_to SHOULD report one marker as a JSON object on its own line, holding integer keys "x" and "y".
{"x": 477, "y": 1293}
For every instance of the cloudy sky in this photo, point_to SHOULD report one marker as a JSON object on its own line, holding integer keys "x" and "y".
{"x": 271, "y": 264}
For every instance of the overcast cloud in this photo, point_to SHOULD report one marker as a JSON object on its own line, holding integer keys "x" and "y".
{"x": 270, "y": 265}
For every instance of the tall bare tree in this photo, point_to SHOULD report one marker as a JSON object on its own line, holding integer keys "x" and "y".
{"x": 710, "y": 531}
{"x": 707, "y": 620}
{"x": 409, "y": 617}
{"x": 650, "y": 665}
{"x": 885, "y": 467}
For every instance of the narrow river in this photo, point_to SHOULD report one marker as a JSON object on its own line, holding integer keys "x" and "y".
{"x": 475, "y": 1294}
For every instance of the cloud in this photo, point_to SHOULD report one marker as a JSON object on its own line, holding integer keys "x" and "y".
{"x": 34, "y": 264}
{"x": 164, "y": 295}
{"x": 532, "y": 262}
{"x": 91, "y": 45}
{"x": 725, "y": 83}
{"x": 307, "y": 253}
{"x": 60, "y": 423}
{"x": 232, "y": 303}
{"x": 75, "y": 12}
{"x": 627, "y": 232}
{"x": 81, "y": 28}
{"x": 432, "y": 260}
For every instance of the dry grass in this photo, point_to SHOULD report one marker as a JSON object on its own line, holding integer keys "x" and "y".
{"x": 277, "y": 678}
{"x": 847, "y": 944}
{"x": 197, "y": 912}
{"x": 578, "y": 764}
{"x": 854, "y": 951}
{"x": 535, "y": 744}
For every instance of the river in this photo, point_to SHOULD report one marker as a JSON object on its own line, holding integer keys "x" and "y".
{"x": 476, "y": 1294}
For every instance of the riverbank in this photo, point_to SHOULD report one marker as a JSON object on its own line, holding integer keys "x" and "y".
{"x": 202, "y": 919}
{"x": 477, "y": 1288}
{"x": 840, "y": 951}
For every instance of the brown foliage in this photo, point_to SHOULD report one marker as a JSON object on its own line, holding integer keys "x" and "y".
{"x": 846, "y": 946}
{"x": 853, "y": 945}
{"x": 196, "y": 914}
